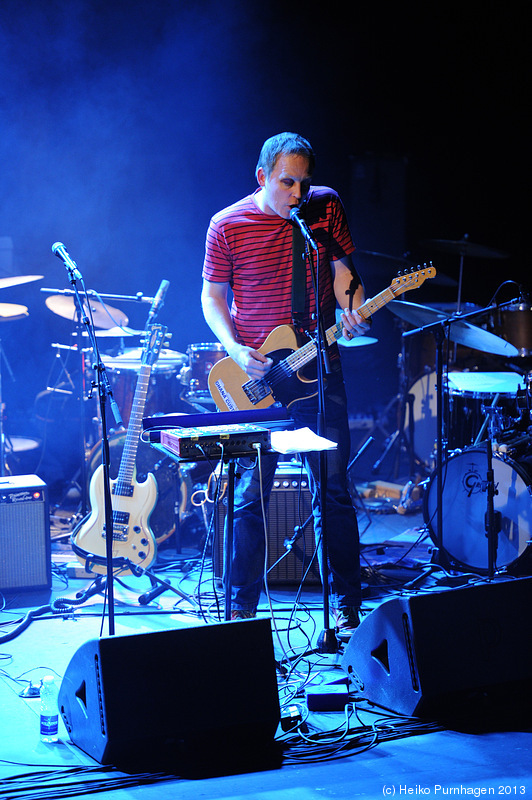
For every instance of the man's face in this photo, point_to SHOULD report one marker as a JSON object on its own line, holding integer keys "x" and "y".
{"x": 286, "y": 187}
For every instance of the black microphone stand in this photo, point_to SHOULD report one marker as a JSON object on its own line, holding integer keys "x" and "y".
{"x": 327, "y": 642}
{"x": 104, "y": 392}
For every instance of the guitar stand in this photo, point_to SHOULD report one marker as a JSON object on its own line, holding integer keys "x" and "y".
{"x": 159, "y": 585}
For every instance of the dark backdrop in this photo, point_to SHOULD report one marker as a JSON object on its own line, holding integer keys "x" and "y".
{"x": 126, "y": 125}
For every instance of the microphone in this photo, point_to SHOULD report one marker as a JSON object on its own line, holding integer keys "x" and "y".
{"x": 158, "y": 300}
{"x": 524, "y": 294}
{"x": 305, "y": 230}
{"x": 59, "y": 250}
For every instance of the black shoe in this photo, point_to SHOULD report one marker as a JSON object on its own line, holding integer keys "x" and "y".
{"x": 239, "y": 613}
{"x": 346, "y": 620}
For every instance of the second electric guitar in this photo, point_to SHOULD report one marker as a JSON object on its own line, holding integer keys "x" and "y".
{"x": 132, "y": 502}
{"x": 233, "y": 390}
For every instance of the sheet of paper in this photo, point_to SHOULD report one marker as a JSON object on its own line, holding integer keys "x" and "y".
{"x": 302, "y": 440}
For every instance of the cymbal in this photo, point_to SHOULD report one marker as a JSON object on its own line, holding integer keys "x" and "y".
{"x": 16, "y": 280}
{"x": 463, "y": 247}
{"x": 460, "y": 331}
{"x": 115, "y": 332}
{"x": 103, "y": 316}
{"x": 12, "y": 311}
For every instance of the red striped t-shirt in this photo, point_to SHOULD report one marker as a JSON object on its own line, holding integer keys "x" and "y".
{"x": 252, "y": 251}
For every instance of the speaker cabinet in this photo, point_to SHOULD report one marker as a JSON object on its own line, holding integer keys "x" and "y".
{"x": 446, "y": 653}
{"x": 194, "y": 700}
{"x": 289, "y": 507}
{"x": 25, "y": 560}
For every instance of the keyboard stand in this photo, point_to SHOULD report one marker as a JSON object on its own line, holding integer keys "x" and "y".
{"x": 228, "y": 532}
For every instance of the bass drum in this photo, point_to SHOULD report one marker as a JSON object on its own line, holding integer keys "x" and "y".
{"x": 464, "y": 506}
{"x": 174, "y": 484}
{"x": 424, "y": 409}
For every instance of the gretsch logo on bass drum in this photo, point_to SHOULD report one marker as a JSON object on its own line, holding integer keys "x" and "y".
{"x": 473, "y": 482}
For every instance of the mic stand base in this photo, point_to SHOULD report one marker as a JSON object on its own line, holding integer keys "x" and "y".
{"x": 327, "y": 641}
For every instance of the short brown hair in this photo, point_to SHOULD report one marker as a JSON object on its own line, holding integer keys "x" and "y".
{"x": 284, "y": 144}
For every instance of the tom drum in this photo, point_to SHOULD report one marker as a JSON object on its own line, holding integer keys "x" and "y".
{"x": 163, "y": 394}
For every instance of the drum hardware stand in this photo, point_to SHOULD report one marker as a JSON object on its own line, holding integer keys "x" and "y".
{"x": 493, "y": 519}
{"x": 399, "y": 438}
{"x": 3, "y": 359}
{"x": 440, "y": 331}
{"x": 357, "y": 496}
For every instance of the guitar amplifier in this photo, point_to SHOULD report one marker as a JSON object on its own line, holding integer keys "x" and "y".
{"x": 25, "y": 558}
{"x": 290, "y": 506}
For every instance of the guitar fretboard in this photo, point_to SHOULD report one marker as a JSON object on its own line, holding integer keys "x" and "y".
{"x": 129, "y": 453}
{"x": 300, "y": 357}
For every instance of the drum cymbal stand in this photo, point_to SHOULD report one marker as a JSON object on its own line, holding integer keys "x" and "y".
{"x": 2, "y": 435}
{"x": 440, "y": 331}
{"x": 402, "y": 441}
{"x": 493, "y": 519}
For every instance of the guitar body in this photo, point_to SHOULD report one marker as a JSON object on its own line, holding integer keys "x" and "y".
{"x": 132, "y": 502}
{"x": 227, "y": 379}
{"x": 133, "y": 539}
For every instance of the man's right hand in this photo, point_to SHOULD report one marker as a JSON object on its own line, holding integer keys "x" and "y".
{"x": 254, "y": 364}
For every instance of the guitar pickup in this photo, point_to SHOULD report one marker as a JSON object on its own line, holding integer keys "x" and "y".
{"x": 125, "y": 490}
{"x": 257, "y": 391}
{"x": 119, "y": 532}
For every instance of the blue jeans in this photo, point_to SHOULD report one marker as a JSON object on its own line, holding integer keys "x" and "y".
{"x": 343, "y": 548}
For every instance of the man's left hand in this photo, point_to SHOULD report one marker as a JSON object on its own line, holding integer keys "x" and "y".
{"x": 353, "y": 324}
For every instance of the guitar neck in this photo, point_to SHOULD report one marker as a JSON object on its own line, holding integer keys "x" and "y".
{"x": 305, "y": 354}
{"x": 129, "y": 453}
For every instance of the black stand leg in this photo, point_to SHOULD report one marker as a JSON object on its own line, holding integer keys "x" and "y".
{"x": 228, "y": 541}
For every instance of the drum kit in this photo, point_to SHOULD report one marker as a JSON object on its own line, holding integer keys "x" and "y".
{"x": 9, "y": 312}
{"x": 466, "y": 379}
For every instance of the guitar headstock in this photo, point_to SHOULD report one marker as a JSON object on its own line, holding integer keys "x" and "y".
{"x": 413, "y": 278}
{"x": 153, "y": 342}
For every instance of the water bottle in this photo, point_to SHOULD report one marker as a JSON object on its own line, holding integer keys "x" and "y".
{"x": 49, "y": 710}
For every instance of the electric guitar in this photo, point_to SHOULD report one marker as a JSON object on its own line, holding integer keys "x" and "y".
{"x": 132, "y": 502}
{"x": 233, "y": 390}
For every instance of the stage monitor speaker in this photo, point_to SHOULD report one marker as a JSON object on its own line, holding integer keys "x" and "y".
{"x": 194, "y": 700}
{"x": 290, "y": 506}
{"x": 25, "y": 560}
{"x": 445, "y": 653}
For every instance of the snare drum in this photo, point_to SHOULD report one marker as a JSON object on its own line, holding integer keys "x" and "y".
{"x": 162, "y": 396}
{"x": 464, "y": 507}
{"x": 470, "y": 393}
{"x": 201, "y": 358}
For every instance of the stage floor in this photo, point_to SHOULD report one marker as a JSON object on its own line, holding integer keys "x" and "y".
{"x": 362, "y": 752}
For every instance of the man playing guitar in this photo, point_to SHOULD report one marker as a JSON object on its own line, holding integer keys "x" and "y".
{"x": 249, "y": 250}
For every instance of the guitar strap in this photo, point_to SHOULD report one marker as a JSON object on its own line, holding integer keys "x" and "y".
{"x": 299, "y": 277}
